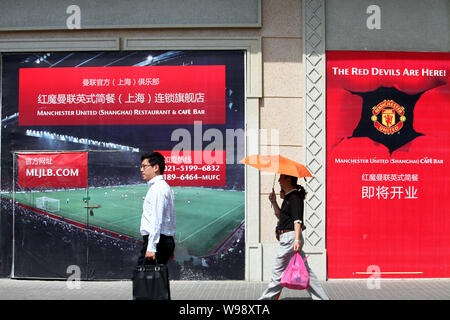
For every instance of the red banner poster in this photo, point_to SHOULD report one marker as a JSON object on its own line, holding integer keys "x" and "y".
{"x": 122, "y": 95}
{"x": 388, "y": 164}
{"x": 52, "y": 170}
{"x": 195, "y": 168}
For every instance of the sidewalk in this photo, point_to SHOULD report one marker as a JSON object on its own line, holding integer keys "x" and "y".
{"x": 436, "y": 289}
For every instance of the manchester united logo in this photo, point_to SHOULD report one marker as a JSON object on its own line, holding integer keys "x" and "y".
{"x": 388, "y": 117}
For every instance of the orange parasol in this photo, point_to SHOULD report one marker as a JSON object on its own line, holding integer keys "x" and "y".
{"x": 277, "y": 164}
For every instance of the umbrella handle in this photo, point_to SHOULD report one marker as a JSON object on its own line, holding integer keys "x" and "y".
{"x": 273, "y": 186}
{"x": 274, "y": 178}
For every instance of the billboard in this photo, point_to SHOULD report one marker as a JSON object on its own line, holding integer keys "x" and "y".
{"x": 388, "y": 144}
{"x": 74, "y": 125}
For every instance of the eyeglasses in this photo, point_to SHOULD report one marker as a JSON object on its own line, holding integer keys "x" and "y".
{"x": 144, "y": 166}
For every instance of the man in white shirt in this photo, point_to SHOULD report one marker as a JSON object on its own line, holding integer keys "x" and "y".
{"x": 158, "y": 216}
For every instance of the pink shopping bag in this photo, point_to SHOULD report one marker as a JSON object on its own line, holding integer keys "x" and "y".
{"x": 296, "y": 276}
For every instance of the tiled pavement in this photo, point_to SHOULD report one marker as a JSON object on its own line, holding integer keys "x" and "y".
{"x": 438, "y": 289}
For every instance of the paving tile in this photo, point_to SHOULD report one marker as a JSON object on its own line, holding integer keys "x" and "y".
{"x": 13, "y": 289}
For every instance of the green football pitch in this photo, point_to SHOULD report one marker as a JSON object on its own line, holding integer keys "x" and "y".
{"x": 204, "y": 216}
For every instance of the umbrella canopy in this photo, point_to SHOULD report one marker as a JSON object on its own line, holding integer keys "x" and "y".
{"x": 277, "y": 164}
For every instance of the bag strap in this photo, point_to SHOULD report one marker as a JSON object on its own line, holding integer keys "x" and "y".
{"x": 142, "y": 267}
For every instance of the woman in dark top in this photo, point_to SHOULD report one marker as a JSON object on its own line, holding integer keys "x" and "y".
{"x": 289, "y": 233}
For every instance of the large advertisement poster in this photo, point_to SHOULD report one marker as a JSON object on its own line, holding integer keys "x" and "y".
{"x": 388, "y": 159}
{"x": 99, "y": 112}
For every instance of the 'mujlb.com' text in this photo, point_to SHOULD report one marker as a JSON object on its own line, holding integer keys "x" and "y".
{"x": 39, "y": 173}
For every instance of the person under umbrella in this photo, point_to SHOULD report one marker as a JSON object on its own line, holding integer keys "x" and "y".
{"x": 289, "y": 234}
{"x": 290, "y": 219}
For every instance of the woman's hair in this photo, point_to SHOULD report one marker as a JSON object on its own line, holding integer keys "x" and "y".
{"x": 300, "y": 189}
{"x": 302, "y": 192}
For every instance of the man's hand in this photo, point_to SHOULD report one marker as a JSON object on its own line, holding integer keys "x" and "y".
{"x": 150, "y": 255}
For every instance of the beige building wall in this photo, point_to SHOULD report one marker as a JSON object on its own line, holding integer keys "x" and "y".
{"x": 281, "y": 105}
{"x": 281, "y": 110}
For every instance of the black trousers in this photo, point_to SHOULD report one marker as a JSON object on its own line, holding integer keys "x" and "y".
{"x": 164, "y": 250}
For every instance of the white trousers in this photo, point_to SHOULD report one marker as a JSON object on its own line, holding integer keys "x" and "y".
{"x": 285, "y": 254}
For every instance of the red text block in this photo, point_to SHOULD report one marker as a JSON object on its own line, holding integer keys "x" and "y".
{"x": 122, "y": 95}
{"x": 52, "y": 170}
